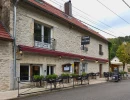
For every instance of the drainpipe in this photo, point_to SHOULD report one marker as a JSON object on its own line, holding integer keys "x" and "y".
{"x": 14, "y": 43}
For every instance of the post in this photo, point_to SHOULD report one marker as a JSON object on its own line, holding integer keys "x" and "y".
{"x": 18, "y": 85}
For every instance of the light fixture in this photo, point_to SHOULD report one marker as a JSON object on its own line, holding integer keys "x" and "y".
{"x": 21, "y": 53}
{"x": 60, "y": 57}
{"x": 82, "y": 59}
{"x": 96, "y": 61}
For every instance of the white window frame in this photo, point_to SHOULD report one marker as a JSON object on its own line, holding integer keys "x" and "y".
{"x": 43, "y": 44}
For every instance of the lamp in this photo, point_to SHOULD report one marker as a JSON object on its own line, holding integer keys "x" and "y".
{"x": 21, "y": 53}
{"x": 96, "y": 61}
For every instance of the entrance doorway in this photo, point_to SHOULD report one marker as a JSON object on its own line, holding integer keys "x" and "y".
{"x": 100, "y": 70}
{"x": 76, "y": 67}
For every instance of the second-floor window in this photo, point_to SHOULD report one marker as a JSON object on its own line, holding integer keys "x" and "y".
{"x": 100, "y": 50}
{"x": 42, "y": 33}
{"x": 42, "y": 36}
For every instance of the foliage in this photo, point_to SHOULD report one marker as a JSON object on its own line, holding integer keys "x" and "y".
{"x": 84, "y": 74}
{"x": 53, "y": 76}
{"x": 116, "y": 42}
{"x": 38, "y": 77}
{"x": 123, "y": 72}
{"x": 123, "y": 53}
{"x": 74, "y": 75}
{"x": 128, "y": 69}
{"x": 64, "y": 74}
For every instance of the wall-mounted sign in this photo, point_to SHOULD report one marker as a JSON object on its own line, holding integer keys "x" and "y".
{"x": 85, "y": 40}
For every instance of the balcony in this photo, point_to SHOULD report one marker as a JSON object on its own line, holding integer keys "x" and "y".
{"x": 43, "y": 42}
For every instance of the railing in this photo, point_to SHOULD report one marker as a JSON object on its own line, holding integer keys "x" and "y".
{"x": 52, "y": 82}
{"x": 44, "y": 42}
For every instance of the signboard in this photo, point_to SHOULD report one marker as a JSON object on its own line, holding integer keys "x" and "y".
{"x": 66, "y": 68}
{"x": 85, "y": 40}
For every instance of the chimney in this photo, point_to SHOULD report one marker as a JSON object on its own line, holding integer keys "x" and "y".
{"x": 68, "y": 8}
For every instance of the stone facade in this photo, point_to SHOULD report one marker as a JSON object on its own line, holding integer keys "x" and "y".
{"x": 5, "y": 65}
{"x": 68, "y": 39}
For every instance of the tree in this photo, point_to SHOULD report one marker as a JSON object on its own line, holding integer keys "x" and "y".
{"x": 123, "y": 53}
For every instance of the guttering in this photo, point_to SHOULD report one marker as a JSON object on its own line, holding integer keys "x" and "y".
{"x": 15, "y": 2}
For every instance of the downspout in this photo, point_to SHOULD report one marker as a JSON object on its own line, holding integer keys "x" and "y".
{"x": 14, "y": 43}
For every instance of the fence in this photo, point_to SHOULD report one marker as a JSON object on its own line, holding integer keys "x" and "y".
{"x": 35, "y": 86}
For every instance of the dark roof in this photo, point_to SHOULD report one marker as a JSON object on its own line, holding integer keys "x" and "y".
{"x": 60, "y": 14}
{"x": 58, "y": 53}
{"x": 4, "y": 35}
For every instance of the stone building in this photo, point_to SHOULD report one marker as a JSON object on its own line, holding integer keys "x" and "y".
{"x": 48, "y": 41}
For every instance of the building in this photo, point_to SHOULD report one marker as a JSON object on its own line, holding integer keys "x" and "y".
{"x": 117, "y": 65}
{"x": 50, "y": 41}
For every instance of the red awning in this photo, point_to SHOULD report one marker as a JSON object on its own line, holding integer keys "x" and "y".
{"x": 58, "y": 53}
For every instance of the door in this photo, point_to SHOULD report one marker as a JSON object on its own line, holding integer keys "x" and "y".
{"x": 100, "y": 70}
{"x": 50, "y": 70}
{"x": 76, "y": 67}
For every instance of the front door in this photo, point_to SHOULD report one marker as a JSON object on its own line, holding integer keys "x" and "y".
{"x": 76, "y": 67}
{"x": 100, "y": 70}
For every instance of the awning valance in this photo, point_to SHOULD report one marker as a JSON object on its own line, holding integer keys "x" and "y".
{"x": 58, "y": 53}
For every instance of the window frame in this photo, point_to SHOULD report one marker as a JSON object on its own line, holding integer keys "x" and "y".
{"x": 43, "y": 32}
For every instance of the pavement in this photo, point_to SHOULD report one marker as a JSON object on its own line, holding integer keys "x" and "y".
{"x": 13, "y": 94}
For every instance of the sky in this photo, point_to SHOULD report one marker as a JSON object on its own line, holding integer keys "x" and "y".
{"x": 114, "y": 19}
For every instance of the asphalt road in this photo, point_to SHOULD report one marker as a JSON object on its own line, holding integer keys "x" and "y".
{"x": 104, "y": 91}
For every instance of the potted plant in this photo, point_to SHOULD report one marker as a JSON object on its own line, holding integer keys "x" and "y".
{"x": 84, "y": 74}
{"x": 51, "y": 79}
{"x": 38, "y": 78}
{"x": 65, "y": 77}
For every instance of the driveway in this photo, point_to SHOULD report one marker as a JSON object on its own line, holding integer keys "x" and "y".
{"x": 103, "y": 91}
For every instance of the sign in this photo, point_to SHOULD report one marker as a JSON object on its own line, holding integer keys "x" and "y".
{"x": 67, "y": 68}
{"x": 85, "y": 40}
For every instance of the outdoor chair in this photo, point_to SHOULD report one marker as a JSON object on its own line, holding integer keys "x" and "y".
{"x": 59, "y": 80}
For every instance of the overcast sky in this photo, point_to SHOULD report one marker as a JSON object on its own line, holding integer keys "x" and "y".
{"x": 94, "y": 13}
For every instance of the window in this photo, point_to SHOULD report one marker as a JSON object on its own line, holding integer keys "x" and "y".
{"x": 50, "y": 70}
{"x": 24, "y": 72}
{"x": 42, "y": 35}
{"x": 100, "y": 49}
{"x": 84, "y": 67}
{"x": 27, "y": 72}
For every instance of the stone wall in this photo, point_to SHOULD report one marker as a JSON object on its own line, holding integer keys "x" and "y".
{"x": 68, "y": 38}
{"x": 5, "y": 64}
{"x": 5, "y": 12}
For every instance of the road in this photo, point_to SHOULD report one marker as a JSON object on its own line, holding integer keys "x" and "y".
{"x": 104, "y": 91}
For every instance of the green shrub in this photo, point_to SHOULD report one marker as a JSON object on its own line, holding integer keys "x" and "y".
{"x": 38, "y": 77}
{"x": 64, "y": 75}
{"x": 123, "y": 72}
{"x": 53, "y": 76}
{"x": 128, "y": 69}
{"x": 74, "y": 75}
{"x": 84, "y": 74}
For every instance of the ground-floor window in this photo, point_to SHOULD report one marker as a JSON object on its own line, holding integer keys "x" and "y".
{"x": 24, "y": 72}
{"x": 84, "y": 67}
{"x": 28, "y": 71}
{"x": 50, "y": 70}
